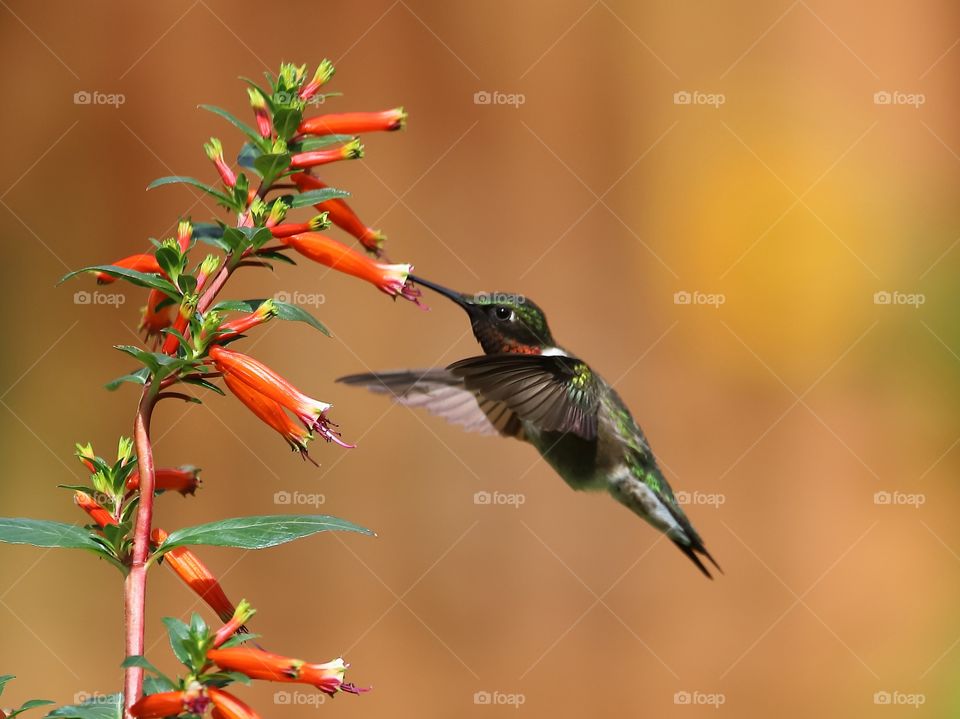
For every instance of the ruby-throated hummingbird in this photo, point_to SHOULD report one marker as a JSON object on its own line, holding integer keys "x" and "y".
{"x": 528, "y": 387}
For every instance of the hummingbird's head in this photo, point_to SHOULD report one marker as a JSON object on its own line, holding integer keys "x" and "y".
{"x": 501, "y": 321}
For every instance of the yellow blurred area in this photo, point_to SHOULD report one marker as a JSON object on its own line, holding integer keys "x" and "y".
{"x": 743, "y": 214}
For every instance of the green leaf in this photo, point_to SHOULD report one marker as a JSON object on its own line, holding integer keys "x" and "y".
{"x": 155, "y": 685}
{"x": 239, "y": 124}
{"x": 286, "y": 120}
{"x": 317, "y": 142}
{"x": 285, "y": 311}
{"x": 313, "y": 197}
{"x": 257, "y": 532}
{"x": 44, "y": 533}
{"x": 269, "y": 166}
{"x": 158, "y": 363}
{"x": 32, "y": 704}
{"x": 179, "y": 635}
{"x": 138, "y": 377}
{"x": 193, "y": 182}
{"x": 4, "y": 679}
{"x": 141, "y": 279}
{"x": 205, "y": 384}
{"x": 96, "y": 707}
{"x": 279, "y": 256}
{"x": 247, "y": 155}
{"x": 172, "y": 262}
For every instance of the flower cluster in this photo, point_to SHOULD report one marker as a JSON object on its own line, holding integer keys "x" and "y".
{"x": 190, "y": 334}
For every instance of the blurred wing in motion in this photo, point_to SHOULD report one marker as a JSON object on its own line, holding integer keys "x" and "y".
{"x": 554, "y": 393}
{"x": 442, "y": 393}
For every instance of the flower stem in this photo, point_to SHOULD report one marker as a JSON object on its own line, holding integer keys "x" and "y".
{"x": 135, "y": 587}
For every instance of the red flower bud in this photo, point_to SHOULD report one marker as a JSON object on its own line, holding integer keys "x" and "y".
{"x": 184, "y": 234}
{"x": 236, "y": 624}
{"x": 342, "y": 215}
{"x": 141, "y": 263}
{"x": 195, "y": 574}
{"x": 391, "y": 279}
{"x": 316, "y": 223}
{"x": 353, "y": 123}
{"x": 259, "y": 377}
{"x": 259, "y": 105}
{"x": 348, "y": 151}
{"x": 214, "y": 151}
{"x": 266, "y": 311}
{"x": 170, "y": 479}
{"x": 101, "y": 517}
{"x": 320, "y": 78}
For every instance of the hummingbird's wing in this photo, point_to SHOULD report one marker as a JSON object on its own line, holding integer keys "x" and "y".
{"x": 442, "y": 393}
{"x": 556, "y": 393}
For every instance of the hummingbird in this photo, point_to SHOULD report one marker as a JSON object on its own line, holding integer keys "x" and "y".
{"x": 528, "y": 387}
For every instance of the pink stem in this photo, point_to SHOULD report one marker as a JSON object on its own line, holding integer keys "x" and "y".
{"x": 135, "y": 587}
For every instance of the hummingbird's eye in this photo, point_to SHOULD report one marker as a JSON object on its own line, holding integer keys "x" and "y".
{"x": 503, "y": 313}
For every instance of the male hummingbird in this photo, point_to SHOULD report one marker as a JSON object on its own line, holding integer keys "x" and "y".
{"x": 526, "y": 386}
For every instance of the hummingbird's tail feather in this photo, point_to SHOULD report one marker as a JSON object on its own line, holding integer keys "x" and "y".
{"x": 692, "y": 555}
{"x": 645, "y": 491}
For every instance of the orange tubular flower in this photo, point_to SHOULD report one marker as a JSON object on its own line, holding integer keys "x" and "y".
{"x": 101, "y": 517}
{"x": 260, "y": 664}
{"x": 228, "y": 706}
{"x": 391, "y": 279}
{"x": 272, "y": 414}
{"x": 342, "y": 215}
{"x": 163, "y": 704}
{"x": 348, "y": 151}
{"x": 263, "y": 380}
{"x": 171, "y": 479}
{"x": 353, "y": 123}
{"x": 141, "y": 263}
{"x": 186, "y": 565}
{"x": 155, "y": 319}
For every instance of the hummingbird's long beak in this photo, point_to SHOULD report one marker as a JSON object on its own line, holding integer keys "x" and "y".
{"x": 462, "y": 300}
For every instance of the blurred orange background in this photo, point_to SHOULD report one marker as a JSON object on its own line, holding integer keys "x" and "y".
{"x": 781, "y": 163}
